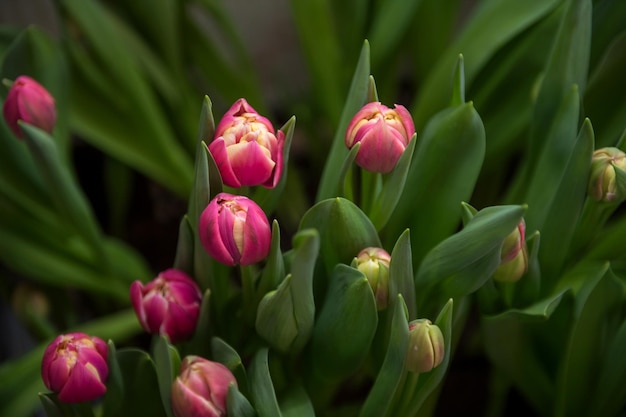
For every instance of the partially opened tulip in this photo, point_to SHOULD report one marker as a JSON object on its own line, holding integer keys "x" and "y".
{"x": 30, "y": 102}
{"x": 235, "y": 230}
{"x": 383, "y": 133}
{"x": 169, "y": 305}
{"x": 75, "y": 366}
{"x": 246, "y": 149}
{"x": 201, "y": 388}
{"x": 374, "y": 263}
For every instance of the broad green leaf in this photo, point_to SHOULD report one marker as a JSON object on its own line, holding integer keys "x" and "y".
{"x": 226, "y": 355}
{"x": 401, "y": 274}
{"x": 338, "y": 347}
{"x": 355, "y": 100}
{"x": 435, "y": 189}
{"x": 261, "y": 386}
{"x": 379, "y": 399}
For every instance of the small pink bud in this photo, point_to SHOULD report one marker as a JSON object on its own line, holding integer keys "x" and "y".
{"x": 30, "y": 102}
{"x": 168, "y": 305}
{"x": 513, "y": 256}
{"x": 426, "y": 346}
{"x": 374, "y": 263}
{"x": 75, "y": 366}
{"x": 603, "y": 178}
{"x": 235, "y": 230}
{"x": 383, "y": 133}
{"x": 201, "y": 388}
{"x": 245, "y": 148}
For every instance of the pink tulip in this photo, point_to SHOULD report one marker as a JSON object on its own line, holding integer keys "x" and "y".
{"x": 383, "y": 134}
{"x": 30, "y": 102}
{"x": 201, "y": 388}
{"x": 169, "y": 305}
{"x": 234, "y": 230}
{"x": 75, "y": 366}
{"x": 245, "y": 148}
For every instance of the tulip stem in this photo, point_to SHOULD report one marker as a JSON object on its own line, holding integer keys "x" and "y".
{"x": 248, "y": 293}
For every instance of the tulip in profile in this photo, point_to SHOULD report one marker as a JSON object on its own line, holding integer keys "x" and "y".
{"x": 513, "y": 256}
{"x": 603, "y": 178}
{"x": 374, "y": 263}
{"x": 201, "y": 388}
{"x": 383, "y": 134}
{"x": 168, "y": 305}
{"x": 245, "y": 148}
{"x": 234, "y": 230}
{"x": 426, "y": 346}
{"x": 75, "y": 366}
{"x": 30, "y": 102}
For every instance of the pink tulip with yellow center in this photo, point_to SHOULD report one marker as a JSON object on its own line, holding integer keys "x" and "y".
{"x": 75, "y": 366}
{"x": 383, "y": 133}
{"x": 246, "y": 149}
{"x": 235, "y": 230}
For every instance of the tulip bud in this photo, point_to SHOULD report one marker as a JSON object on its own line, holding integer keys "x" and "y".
{"x": 245, "y": 148}
{"x": 30, "y": 102}
{"x": 513, "y": 256}
{"x": 374, "y": 264}
{"x": 169, "y": 305}
{"x": 426, "y": 346}
{"x": 383, "y": 133}
{"x": 234, "y": 230}
{"x": 201, "y": 388}
{"x": 602, "y": 183}
{"x": 75, "y": 366}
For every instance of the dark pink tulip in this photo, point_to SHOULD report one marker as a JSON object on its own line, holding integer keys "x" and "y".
{"x": 168, "y": 305}
{"x": 235, "y": 230}
{"x": 245, "y": 148}
{"x": 201, "y": 388}
{"x": 383, "y": 134}
{"x": 75, "y": 366}
{"x": 30, "y": 102}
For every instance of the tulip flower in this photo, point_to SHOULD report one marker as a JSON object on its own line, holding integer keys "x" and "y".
{"x": 245, "y": 148}
{"x": 234, "y": 230}
{"x": 30, "y": 102}
{"x": 603, "y": 179}
{"x": 169, "y": 305}
{"x": 383, "y": 134}
{"x": 374, "y": 263}
{"x": 513, "y": 256}
{"x": 201, "y": 388}
{"x": 426, "y": 346}
{"x": 75, "y": 366}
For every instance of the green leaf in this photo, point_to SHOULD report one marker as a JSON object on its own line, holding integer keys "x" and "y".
{"x": 343, "y": 228}
{"x": 237, "y": 404}
{"x": 184, "y": 247}
{"x": 466, "y": 260}
{"x": 338, "y": 347}
{"x": 296, "y": 403}
{"x": 261, "y": 386}
{"x": 356, "y": 99}
{"x": 540, "y": 310}
{"x": 274, "y": 270}
{"x": 378, "y": 401}
{"x": 167, "y": 364}
{"x": 226, "y": 355}
{"x": 50, "y": 405}
{"x": 115, "y": 384}
{"x": 401, "y": 274}
{"x": 204, "y": 330}
{"x": 457, "y": 136}
{"x": 458, "y": 86}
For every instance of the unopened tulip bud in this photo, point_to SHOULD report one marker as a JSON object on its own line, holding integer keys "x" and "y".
{"x": 169, "y": 305}
{"x": 603, "y": 178}
{"x": 246, "y": 149}
{"x": 513, "y": 256}
{"x": 235, "y": 230}
{"x": 30, "y": 102}
{"x": 75, "y": 366}
{"x": 426, "y": 346}
{"x": 201, "y": 388}
{"x": 374, "y": 263}
{"x": 383, "y": 134}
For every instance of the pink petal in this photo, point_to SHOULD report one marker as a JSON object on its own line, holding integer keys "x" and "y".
{"x": 250, "y": 163}
{"x": 220, "y": 155}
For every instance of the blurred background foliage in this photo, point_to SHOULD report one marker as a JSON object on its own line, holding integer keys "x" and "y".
{"x": 129, "y": 78}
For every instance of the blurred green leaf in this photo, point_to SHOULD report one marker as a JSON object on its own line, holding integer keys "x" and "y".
{"x": 458, "y": 83}
{"x": 541, "y": 310}
{"x": 237, "y": 404}
{"x": 261, "y": 386}
{"x": 296, "y": 403}
{"x": 226, "y": 355}
{"x": 115, "y": 384}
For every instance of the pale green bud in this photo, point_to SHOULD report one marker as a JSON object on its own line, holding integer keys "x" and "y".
{"x": 513, "y": 255}
{"x": 374, "y": 264}
{"x": 426, "y": 346}
{"x": 603, "y": 181}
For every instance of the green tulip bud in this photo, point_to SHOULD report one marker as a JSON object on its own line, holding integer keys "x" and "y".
{"x": 513, "y": 255}
{"x": 603, "y": 178}
{"x": 426, "y": 346}
{"x": 374, "y": 264}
